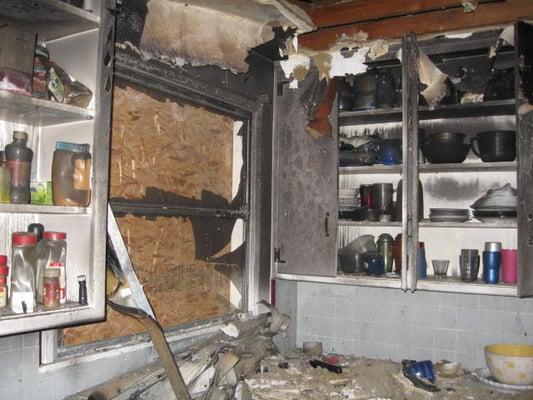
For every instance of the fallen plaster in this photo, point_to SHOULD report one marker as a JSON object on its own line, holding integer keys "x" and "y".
{"x": 431, "y": 76}
{"x": 469, "y": 5}
{"x": 219, "y": 33}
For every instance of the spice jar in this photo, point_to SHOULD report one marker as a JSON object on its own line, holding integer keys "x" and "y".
{"x": 55, "y": 257}
{"x": 51, "y": 288}
{"x": 385, "y": 242}
{"x": 4, "y": 272}
{"x": 23, "y": 261}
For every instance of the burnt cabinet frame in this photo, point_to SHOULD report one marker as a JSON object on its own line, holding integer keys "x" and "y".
{"x": 410, "y": 115}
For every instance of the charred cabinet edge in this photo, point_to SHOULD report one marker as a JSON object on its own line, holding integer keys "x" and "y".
{"x": 524, "y": 127}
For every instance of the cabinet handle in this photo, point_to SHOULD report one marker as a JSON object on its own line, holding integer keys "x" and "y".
{"x": 326, "y": 225}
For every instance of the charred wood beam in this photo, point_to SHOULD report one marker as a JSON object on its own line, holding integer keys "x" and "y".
{"x": 431, "y": 22}
{"x": 367, "y": 10}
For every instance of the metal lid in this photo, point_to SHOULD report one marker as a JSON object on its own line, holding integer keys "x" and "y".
{"x": 20, "y": 135}
{"x": 74, "y": 147}
{"x": 385, "y": 237}
{"x": 493, "y": 246}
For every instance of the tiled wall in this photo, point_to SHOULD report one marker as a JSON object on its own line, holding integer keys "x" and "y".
{"x": 390, "y": 324}
{"x": 23, "y": 379}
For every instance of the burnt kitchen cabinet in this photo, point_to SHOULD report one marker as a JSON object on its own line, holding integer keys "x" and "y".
{"x": 465, "y": 59}
{"x": 304, "y": 185}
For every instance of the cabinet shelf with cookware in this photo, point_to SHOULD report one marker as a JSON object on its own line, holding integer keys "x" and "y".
{"x": 391, "y": 224}
{"x": 455, "y": 285}
{"x": 347, "y": 279}
{"x": 468, "y": 110}
{"x": 41, "y": 209}
{"x": 51, "y": 19}
{"x": 468, "y": 225}
{"x": 468, "y": 167}
{"x": 372, "y": 169}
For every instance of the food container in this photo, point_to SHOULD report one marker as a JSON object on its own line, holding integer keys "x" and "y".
{"x": 445, "y": 152}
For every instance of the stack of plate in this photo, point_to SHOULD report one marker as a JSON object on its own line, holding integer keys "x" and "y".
{"x": 449, "y": 214}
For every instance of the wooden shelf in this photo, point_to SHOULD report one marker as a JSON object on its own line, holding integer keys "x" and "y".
{"x": 371, "y": 169}
{"x": 51, "y": 19}
{"x": 34, "y": 111}
{"x": 344, "y": 222}
{"x": 468, "y": 167}
{"x": 455, "y": 285}
{"x": 38, "y": 209}
{"x": 375, "y": 116}
{"x": 468, "y": 225}
{"x": 348, "y": 279}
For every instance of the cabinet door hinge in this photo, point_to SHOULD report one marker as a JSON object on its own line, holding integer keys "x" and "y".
{"x": 277, "y": 256}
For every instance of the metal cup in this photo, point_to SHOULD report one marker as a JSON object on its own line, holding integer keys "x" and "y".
{"x": 382, "y": 198}
{"x": 365, "y": 191}
{"x": 469, "y": 264}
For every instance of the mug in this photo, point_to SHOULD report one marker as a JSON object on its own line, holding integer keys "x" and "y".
{"x": 509, "y": 265}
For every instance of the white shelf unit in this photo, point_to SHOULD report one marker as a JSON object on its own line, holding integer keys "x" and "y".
{"x": 78, "y": 41}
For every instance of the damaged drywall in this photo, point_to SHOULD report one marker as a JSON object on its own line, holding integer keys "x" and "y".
{"x": 221, "y": 33}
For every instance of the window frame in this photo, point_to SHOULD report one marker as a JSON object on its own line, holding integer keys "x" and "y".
{"x": 184, "y": 86}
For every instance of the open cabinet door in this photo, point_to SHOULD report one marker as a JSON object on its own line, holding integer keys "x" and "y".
{"x": 304, "y": 186}
{"x": 524, "y": 125}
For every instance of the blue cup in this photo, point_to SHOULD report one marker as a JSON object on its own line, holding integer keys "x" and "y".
{"x": 491, "y": 266}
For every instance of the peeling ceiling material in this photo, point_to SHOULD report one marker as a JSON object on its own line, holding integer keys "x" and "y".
{"x": 221, "y": 33}
{"x": 431, "y": 76}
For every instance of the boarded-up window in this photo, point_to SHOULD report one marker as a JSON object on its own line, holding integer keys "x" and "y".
{"x": 191, "y": 266}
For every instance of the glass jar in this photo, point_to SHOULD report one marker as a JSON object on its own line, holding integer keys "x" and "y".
{"x": 23, "y": 261}
{"x": 71, "y": 175}
{"x": 51, "y": 289}
{"x": 55, "y": 257}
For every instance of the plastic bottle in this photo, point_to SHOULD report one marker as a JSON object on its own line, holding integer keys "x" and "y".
{"x": 18, "y": 159}
{"x": 51, "y": 288}
{"x": 71, "y": 173}
{"x": 38, "y": 229}
{"x": 55, "y": 256}
{"x": 23, "y": 260}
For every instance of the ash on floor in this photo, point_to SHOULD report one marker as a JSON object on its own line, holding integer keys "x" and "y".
{"x": 361, "y": 379}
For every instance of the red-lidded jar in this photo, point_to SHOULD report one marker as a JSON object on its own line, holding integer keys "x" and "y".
{"x": 55, "y": 253}
{"x": 4, "y": 272}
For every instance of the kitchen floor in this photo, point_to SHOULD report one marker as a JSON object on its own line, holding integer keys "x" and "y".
{"x": 361, "y": 379}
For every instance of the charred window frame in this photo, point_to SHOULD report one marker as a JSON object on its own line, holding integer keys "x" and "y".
{"x": 195, "y": 87}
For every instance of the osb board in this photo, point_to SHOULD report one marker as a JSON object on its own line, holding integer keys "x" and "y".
{"x": 176, "y": 148}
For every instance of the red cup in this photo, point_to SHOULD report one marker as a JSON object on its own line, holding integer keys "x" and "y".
{"x": 509, "y": 265}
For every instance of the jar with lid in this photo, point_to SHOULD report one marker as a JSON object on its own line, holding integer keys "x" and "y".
{"x": 23, "y": 261}
{"x": 51, "y": 288}
{"x": 71, "y": 173}
{"x": 18, "y": 159}
{"x": 4, "y": 272}
{"x": 385, "y": 242}
{"x": 55, "y": 257}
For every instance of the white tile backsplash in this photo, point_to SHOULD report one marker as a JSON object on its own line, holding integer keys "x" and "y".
{"x": 388, "y": 323}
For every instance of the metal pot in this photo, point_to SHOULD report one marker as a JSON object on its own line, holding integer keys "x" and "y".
{"x": 495, "y": 145}
{"x": 445, "y": 152}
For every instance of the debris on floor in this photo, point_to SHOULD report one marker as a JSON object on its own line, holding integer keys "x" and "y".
{"x": 362, "y": 379}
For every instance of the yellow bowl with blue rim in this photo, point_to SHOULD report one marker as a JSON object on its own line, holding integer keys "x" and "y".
{"x": 510, "y": 363}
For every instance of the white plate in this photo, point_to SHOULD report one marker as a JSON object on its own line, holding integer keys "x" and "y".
{"x": 483, "y": 374}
